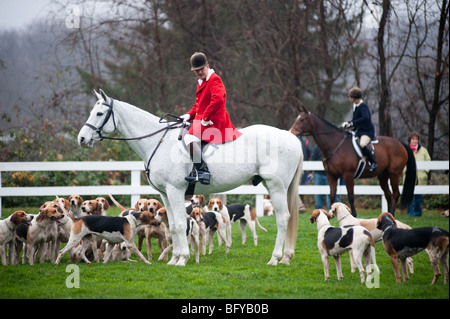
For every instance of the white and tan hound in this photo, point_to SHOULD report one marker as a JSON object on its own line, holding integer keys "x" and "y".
{"x": 403, "y": 243}
{"x": 8, "y": 227}
{"x": 232, "y": 213}
{"x": 209, "y": 223}
{"x": 334, "y": 241}
{"x": 344, "y": 217}
{"x": 75, "y": 205}
{"x": 115, "y": 230}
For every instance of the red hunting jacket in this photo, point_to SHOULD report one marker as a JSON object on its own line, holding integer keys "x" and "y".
{"x": 210, "y": 101}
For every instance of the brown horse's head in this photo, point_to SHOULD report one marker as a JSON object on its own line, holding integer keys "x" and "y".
{"x": 302, "y": 123}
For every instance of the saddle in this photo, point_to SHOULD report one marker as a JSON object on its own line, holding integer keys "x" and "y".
{"x": 362, "y": 162}
{"x": 355, "y": 142}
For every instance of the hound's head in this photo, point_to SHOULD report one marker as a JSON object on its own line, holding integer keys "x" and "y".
{"x": 197, "y": 214}
{"x": 161, "y": 215}
{"x": 75, "y": 200}
{"x": 103, "y": 202}
{"x": 21, "y": 217}
{"x": 385, "y": 220}
{"x": 148, "y": 218}
{"x": 198, "y": 201}
{"x": 339, "y": 209}
{"x": 316, "y": 215}
{"x": 50, "y": 213}
{"x": 215, "y": 205}
{"x": 92, "y": 207}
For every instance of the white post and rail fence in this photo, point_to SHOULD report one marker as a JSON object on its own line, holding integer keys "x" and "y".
{"x": 136, "y": 190}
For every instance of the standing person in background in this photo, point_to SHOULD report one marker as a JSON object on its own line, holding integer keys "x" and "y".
{"x": 420, "y": 154}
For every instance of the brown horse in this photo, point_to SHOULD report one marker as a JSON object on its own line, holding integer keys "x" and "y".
{"x": 341, "y": 161}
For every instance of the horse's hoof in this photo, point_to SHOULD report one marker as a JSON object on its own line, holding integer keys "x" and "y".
{"x": 285, "y": 260}
{"x": 173, "y": 261}
{"x": 182, "y": 261}
{"x": 273, "y": 261}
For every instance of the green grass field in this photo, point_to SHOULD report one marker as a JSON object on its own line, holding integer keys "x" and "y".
{"x": 241, "y": 274}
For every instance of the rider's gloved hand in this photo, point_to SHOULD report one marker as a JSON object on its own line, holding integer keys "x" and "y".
{"x": 185, "y": 117}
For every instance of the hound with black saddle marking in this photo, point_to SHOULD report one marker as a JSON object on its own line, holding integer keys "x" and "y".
{"x": 334, "y": 241}
{"x": 113, "y": 229}
{"x": 404, "y": 243}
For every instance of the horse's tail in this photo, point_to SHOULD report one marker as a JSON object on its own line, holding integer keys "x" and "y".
{"x": 410, "y": 179}
{"x": 293, "y": 203}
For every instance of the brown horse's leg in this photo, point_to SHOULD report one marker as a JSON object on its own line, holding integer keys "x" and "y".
{"x": 383, "y": 179}
{"x": 349, "y": 184}
{"x": 332, "y": 182}
{"x": 394, "y": 180}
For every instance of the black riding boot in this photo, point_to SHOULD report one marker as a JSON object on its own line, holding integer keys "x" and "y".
{"x": 200, "y": 172}
{"x": 371, "y": 157}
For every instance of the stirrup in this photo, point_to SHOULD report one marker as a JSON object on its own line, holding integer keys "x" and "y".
{"x": 196, "y": 176}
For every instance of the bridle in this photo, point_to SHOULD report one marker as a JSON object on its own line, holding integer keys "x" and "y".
{"x": 178, "y": 123}
{"x": 110, "y": 112}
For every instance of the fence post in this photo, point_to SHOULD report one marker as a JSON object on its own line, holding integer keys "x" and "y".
{"x": 135, "y": 181}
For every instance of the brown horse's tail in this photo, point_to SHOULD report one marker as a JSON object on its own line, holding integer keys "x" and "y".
{"x": 410, "y": 179}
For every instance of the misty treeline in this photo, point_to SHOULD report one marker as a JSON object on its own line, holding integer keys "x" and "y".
{"x": 274, "y": 56}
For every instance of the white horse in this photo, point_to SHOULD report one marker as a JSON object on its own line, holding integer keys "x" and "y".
{"x": 272, "y": 154}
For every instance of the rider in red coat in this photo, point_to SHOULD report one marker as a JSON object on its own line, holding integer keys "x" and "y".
{"x": 211, "y": 122}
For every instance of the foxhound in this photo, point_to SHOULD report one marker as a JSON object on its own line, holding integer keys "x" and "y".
{"x": 8, "y": 227}
{"x": 403, "y": 243}
{"x": 334, "y": 241}
{"x": 75, "y": 205}
{"x": 114, "y": 229}
{"x": 192, "y": 234}
{"x": 209, "y": 223}
{"x": 344, "y": 217}
{"x": 232, "y": 213}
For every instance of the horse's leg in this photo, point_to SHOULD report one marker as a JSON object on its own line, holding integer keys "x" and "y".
{"x": 332, "y": 182}
{"x": 278, "y": 194}
{"x": 383, "y": 179}
{"x": 178, "y": 225}
{"x": 349, "y": 184}
{"x": 394, "y": 180}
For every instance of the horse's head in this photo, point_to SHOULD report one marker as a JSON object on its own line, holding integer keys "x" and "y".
{"x": 100, "y": 121}
{"x": 302, "y": 123}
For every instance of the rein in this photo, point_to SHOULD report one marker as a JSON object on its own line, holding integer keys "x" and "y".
{"x": 178, "y": 124}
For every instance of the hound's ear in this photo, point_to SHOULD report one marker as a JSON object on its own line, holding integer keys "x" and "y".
{"x": 104, "y": 95}
{"x": 99, "y": 97}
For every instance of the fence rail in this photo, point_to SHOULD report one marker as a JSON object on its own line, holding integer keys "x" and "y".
{"x": 135, "y": 189}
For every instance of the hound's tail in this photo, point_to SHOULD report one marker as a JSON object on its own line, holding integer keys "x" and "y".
{"x": 410, "y": 179}
{"x": 293, "y": 202}
{"x": 116, "y": 203}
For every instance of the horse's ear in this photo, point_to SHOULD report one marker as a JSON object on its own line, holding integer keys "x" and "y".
{"x": 97, "y": 94}
{"x": 305, "y": 109}
{"x": 105, "y": 98}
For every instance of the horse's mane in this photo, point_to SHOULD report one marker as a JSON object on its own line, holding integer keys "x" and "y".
{"x": 326, "y": 121}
